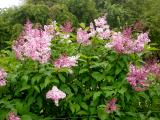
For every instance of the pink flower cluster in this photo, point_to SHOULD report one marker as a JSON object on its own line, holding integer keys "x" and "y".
{"x": 101, "y": 21}
{"x": 50, "y": 29}
{"x": 153, "y": 67}
{"x": 101, "y": 28}
{"x": 55, "y": 94}
{"x": 127, "y": 32}
{"x": 83, "y": 37}
{"x": 138, "y": 77}
{"x": 3, "y": 76}
{"x": 123, "y": 43}
{"x": 34, "y": 43}
{"x": 67, "y": 27}
{"x": 66, "y": 62}
{"x": 12, "y": 116}
{"x": 111, "y": 105}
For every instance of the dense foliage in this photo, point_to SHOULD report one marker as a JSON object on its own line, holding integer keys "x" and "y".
{"x": 97, "y": 73}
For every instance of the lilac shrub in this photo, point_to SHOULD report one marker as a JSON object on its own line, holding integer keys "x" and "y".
{"x": 59, "y": 72}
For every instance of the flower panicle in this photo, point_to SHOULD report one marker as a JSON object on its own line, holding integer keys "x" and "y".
{"x": 55, "y": 94}
{"x": 34, "y": 43}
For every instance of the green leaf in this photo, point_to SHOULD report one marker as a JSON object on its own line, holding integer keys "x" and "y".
{"x": 109, "y": 78}
{"x": 109, "y": 93}
{"x": 82, "y": 112}
{"x": 36, "y": 88}
{"x": 19, "y": 107}
{"x": 131, "y": 114}
{"x": 26, "y": 117}
{"x": 40, "y": 102}
{"x": 3, "y": 114}
{"x": 101, "y": 64}
{"x": 153, "y": 118}
{"x": 88, "y": 96}
{"x": 144, "y": 95}
{"x": 93, "y": 110}
{"x": 75, "y": 88}
{"x": 31, "y": 100}
{"x": 111, "y": 58}
{"x": 83, "y": 70}
{"x": 25, "y": 88}
{"x": 47, "y": 82}
{"x": 25, "y": 78}
{"x": 122, "y": 90}
{"x": 108, "y": 68}
{"x": 55, "y": 81}
{"x": 61, "y": 77}
{"x": 36, "y": 78}
{"x": 152, "y": 48}
{"x": 66, "y": 89}
{"x": 82, "y": 25}
{"x": 101, "y": 106}
{"x": 74, "y": 107}
{"x": 102, "y": 114}
{"x": 118, "y": 70}
{"x": 96, "y": 95}
{"x": 84, "y": 105}
{"x": 98, "y": 76}
{"x": 121, "y": 63}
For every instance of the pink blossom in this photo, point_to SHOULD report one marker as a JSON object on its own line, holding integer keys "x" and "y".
{"x": 18, "y": 47}
{"x": 12, "y": 116}
{"x": 124, "y": 43}
{"x": 111, "y": 105}
{"x": 127, "y": 32}
{"x": 101, "y": 21}
{"x": 120, "y": 43}
{"x": 55, "y": 94}
{"x": 3, "y": 76}
{"x": 138, "y": 78}
{"x": 2, "y": 82}
{"x": 109, "y": 45}
{"x": 50, "y": 29}
{"x": 153, "y": 67}
{"x": 66, "y": 62}
{"x": 92, "y": 30}
{"x": 101, "y": 29}
{"x": 67, "y": 27}
{"x": 139, "y": 44}
{"x": 34, "y": 44}
{"x": 105, "y": 34}
{"x": 83, "y": 37}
